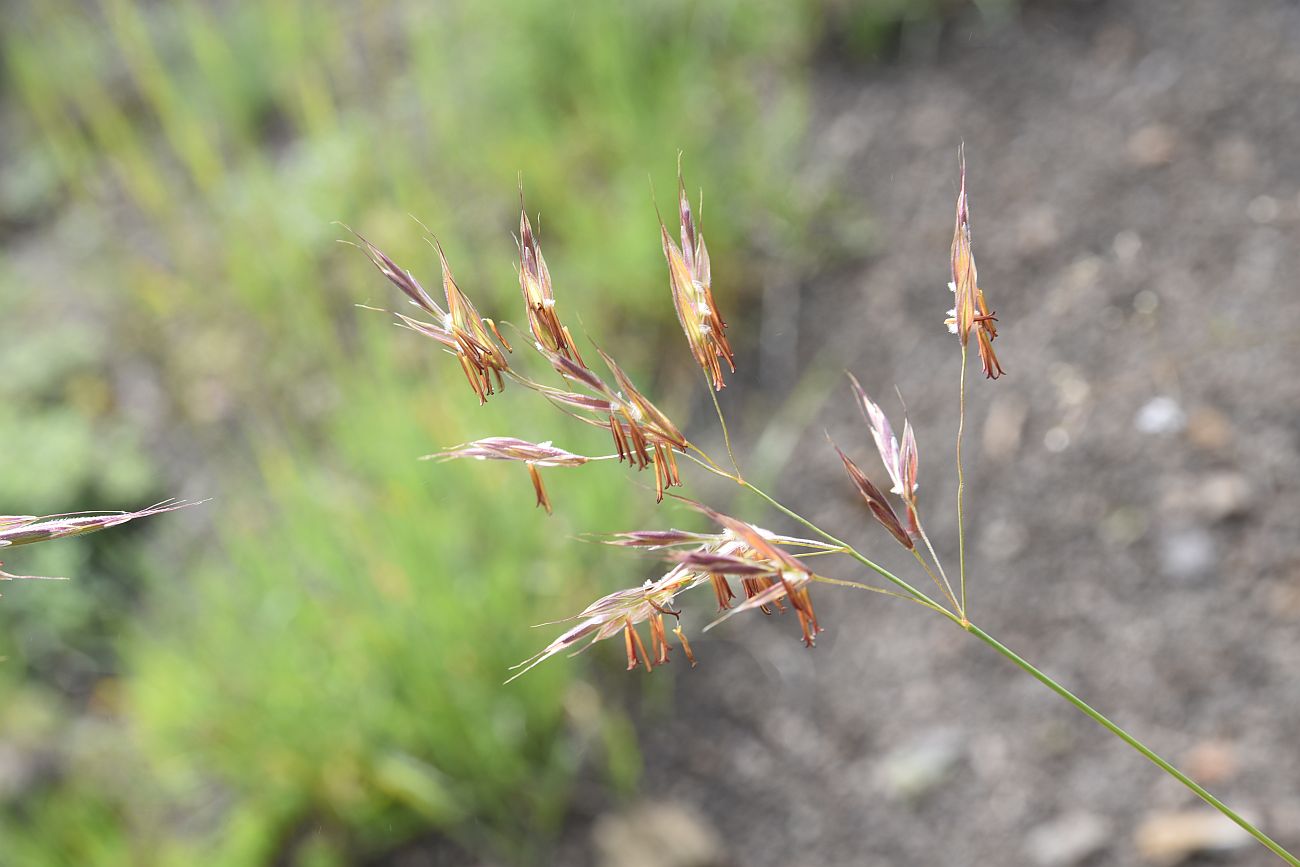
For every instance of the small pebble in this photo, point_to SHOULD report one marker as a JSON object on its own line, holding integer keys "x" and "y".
{"x": 1263, "y": 209}
{"x": 1153, "y": 145}
{"x": 1003, "y": 428}
{"x": 1211, "y": 762}
{"x": 1209, "y": 429}
{"x": 1224, "y": 495}
{"x": 1068, "y": 839}
{"x": 656, "y": 834}
{"x": 1056, "y": 440}
{"x": 1169, "y": 838}
{"x": 1235, "y": 159}
{"x": 1187, "y": 553}
{"x": 915, "y": 768}
{"x": 1160, "y": 415}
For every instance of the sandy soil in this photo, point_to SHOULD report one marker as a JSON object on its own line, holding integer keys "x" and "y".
{"x": 1133, "y": 497}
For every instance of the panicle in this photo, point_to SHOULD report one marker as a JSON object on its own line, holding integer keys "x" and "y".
{"x": 690, "y": 279}
{"x": 534, "y": 455}
{"x": 970, "y": 310}
{"x": 539, "y": 298}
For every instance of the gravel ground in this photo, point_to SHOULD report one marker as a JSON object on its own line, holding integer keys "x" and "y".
{"x": 1133, "y": 504}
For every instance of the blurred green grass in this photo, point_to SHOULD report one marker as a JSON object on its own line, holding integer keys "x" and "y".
{"x": 312, "y": 673}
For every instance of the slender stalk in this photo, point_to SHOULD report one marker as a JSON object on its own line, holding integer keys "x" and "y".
{"x": 1133, "y": 742}
{"x": 960, "y": 607}
{"x": 820, "y": 552}
{"x": 726, "y": 437}
{"x": 961, "y": 482}
{"x": 858, "y": 585}
{"x": 708, "y": 463}
{"x": 944, "y": 587}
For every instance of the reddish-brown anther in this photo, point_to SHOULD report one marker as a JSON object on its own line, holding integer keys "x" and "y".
{"x": 722, "y": 590}
{"x": 690, "y": 278}
{"x": 755, "y": 586}
{"x": 642, "y": 433}
{"x": 970, "y": 310}
{"x": 788, "y": 586}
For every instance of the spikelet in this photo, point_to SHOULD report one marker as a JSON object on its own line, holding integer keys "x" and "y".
{"x": 533, "y": 455}
{"x": 18, "y": 530}
{"x": 875, "y": 500}
{"x": 690, "y": 279}
{"x": 539, "y": 297}
{"x": 902, "y": 461}
{"x": 459, "y": 328}
{"x": 970, "y": 310}
{"x": 622, "y": 611}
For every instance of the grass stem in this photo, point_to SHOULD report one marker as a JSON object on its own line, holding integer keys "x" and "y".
{"x": 726, "y": 436}
{"x": 961, "y": 483}
{"x": 1133, "y": 742}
